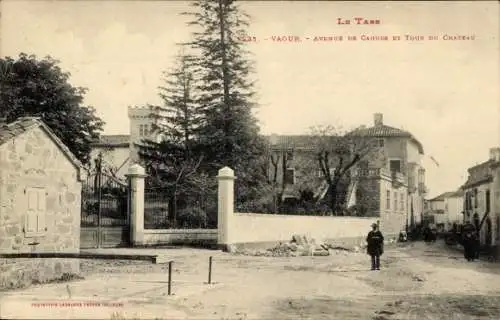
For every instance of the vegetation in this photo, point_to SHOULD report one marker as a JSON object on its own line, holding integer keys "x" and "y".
{"x": 206, "y": 120}
{"x": 39, "y": 88}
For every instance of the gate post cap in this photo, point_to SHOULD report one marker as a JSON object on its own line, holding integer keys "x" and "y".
{"x": 136, "y": 170}
{"x": 226, "y": 173}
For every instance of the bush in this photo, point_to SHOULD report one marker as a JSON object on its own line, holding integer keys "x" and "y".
{"x": 192, "y": 217}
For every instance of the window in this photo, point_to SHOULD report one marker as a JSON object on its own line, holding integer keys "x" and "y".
{"x": 475, "y": 198}
{"x": 320, "y": 173}
{"x": 395, "y": 201}
{"x": 421, "y": 175}
{"x": 395, "y": 165}
{"x": 144, "y": 130}
{"x": 487, "y": 200}
{"x": 34, "y": 223}
{"x": 377, "y": 143}
{"x": 290, "y": 176}
{"x": 388, "y": 200}
{"x": 402, "y": 202}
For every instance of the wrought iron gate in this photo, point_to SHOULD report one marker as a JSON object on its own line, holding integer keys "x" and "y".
{"x": 104, "y": 220}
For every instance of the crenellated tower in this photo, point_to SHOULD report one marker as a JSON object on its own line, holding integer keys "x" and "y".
{"x": 141, "y": 127}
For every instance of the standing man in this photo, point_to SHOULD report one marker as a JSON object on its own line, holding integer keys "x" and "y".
{"x": 375, "y": 247}
{"x": 469, "y": 242}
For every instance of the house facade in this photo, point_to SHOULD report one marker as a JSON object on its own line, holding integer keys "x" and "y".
{"x": 482, "y": 198}
{"x": 389, "y": 182}
{"x": 447, "y": 209}
{"x": 40, "y": 195}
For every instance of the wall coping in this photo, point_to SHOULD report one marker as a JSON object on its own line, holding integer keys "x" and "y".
{"x": 179, "y": 231}
{"x": 288, "y": 216}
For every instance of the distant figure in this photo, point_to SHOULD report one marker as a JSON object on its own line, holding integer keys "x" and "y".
{"x": 429, "y": 234}
{"x": 403, "y": 236}
{"x": 375, "y": 247}
{"x": 470, "y": 240}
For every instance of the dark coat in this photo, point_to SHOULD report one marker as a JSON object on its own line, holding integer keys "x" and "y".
{"x": 470, "y": 245}
{"x": 375, "y": 241}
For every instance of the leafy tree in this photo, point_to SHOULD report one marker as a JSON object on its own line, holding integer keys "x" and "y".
{"x": 38, "y": 87}
{"x": 225, "y": 94}
{"x": 337, "y": 154}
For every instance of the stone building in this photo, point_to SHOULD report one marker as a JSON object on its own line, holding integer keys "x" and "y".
{"x": 482, "y": 198}
{"x": 118, "y": 152}
{"x": 40, "y": 192}
{"x": 393, "y": 181}
{"x": 446, "y": 209}
{"x": 389, "y": 182}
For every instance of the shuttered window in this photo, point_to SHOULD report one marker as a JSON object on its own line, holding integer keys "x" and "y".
{"x": 36, "y": 211}
{"x": 487, "y": 200}
{"x": 395, "y": 201}
{"x": 388, "y": 200}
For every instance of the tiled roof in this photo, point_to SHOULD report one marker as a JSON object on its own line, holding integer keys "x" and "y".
{"x": 383, "y": 131}
{"x": 24, "y": 124}
{"x": 290, "y": 141}
{"x": 304, "y": 141}
{"x": 116, "y": 140}
{"x": 479, "y": 174}
{"x": 445, "y": 195}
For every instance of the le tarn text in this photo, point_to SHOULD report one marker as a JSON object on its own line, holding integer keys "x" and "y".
{"x": 358, "y": 20}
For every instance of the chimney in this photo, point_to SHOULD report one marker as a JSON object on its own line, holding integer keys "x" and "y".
{"x": 495, "y": 154}
{"x": 378, "y": 119}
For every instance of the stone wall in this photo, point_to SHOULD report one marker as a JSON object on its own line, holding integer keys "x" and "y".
{"x": 32, "y": 159}
{"x": 23, "y": 272}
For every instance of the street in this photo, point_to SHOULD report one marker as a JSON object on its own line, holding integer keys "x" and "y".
{"x": 417, "y": 281}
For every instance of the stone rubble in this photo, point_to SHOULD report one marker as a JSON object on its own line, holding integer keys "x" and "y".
{"x": 301, "y": 245}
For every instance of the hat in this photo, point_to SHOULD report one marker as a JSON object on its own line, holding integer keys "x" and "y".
{"x": 374, "y": 225}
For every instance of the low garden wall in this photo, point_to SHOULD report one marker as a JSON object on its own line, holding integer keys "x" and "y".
{"x": 253, "y": 229}
{"x": 200, "y": 237}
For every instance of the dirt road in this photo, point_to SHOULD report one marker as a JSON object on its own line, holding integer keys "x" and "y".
{"x": 418, "y": 281}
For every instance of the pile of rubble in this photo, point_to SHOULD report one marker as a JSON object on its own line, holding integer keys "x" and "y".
{"x": 300, "y": 245}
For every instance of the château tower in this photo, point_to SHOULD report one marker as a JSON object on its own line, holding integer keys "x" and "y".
{"x": 141, "y": 127}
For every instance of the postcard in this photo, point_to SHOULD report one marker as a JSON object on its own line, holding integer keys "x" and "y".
{"x": 222, "y": 159}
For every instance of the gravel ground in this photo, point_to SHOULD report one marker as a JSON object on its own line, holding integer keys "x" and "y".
{"x": 416, "y": 281}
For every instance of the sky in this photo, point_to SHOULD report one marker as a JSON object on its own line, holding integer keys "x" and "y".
{"x": 445, "y": 92}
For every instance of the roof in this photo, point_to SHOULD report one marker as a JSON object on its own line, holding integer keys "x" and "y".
{"x": 442, "y": 196}
{"x": 450, "y": 194}
{"x": 387, "y": 131}
{"x": 116, "y": 140}
{"x": 290, "y": 141}
{"x": 14, "y": 129}
{"x": 479, "y": 174}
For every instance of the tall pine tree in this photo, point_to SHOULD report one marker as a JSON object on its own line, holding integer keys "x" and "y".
{"x": 176, "y": 157}
{"x": 230, "y": 132}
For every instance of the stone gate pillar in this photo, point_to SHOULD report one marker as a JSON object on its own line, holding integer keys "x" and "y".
{"x": 136, "y": 175}
{"x": 225, "y": 204}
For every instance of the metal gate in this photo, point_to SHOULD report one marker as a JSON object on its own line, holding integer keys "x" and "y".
{"x": 104, "y": 220}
